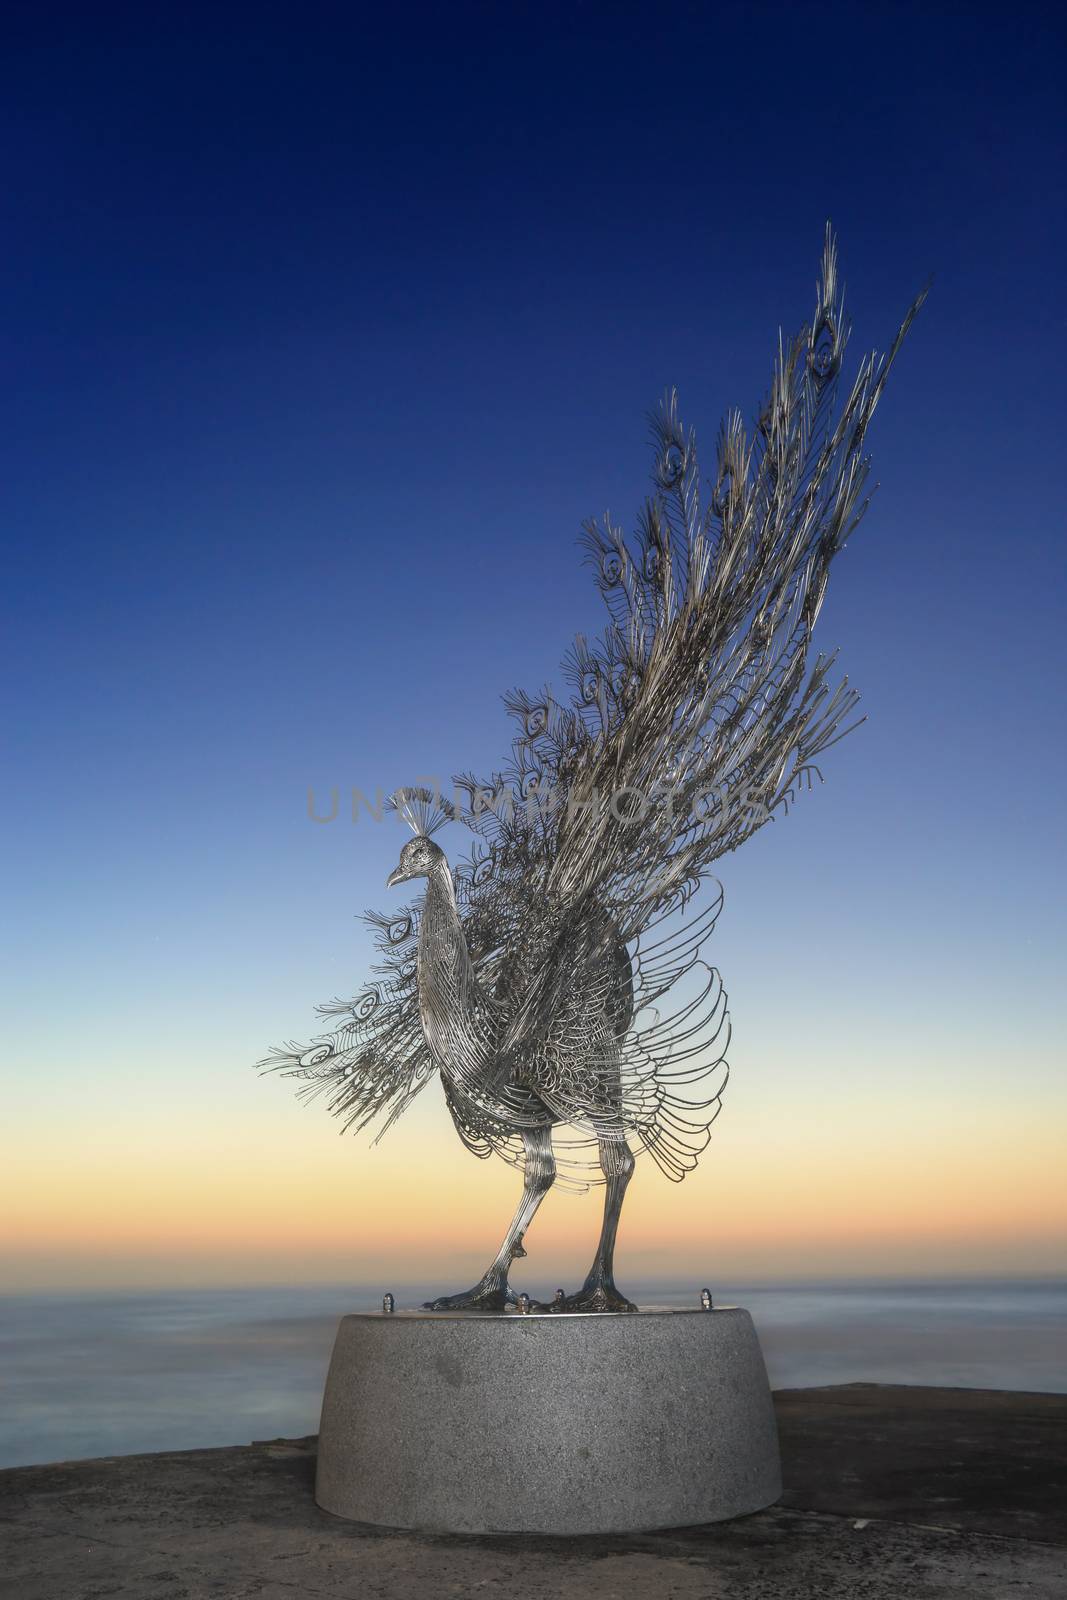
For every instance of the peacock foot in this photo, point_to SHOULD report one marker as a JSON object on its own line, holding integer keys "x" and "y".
{"x": 596, "y": 1297}
{"x": 488, "y": 1295}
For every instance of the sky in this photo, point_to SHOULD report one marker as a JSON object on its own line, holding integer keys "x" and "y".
{"x": 324, "y": 330}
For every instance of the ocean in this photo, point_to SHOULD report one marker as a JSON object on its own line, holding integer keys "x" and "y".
{"x": 114, "y": 1374}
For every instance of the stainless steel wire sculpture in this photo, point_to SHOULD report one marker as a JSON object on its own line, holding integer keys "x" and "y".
{"x": 555, "y": 978}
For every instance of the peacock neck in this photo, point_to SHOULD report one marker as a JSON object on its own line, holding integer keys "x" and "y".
{"x": 452, "y": 1020}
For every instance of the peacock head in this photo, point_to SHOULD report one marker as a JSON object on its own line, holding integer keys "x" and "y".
{"x": 417, "y": 860}
{"x": 424, "y": 812}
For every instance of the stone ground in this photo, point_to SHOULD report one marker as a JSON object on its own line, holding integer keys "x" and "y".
{"x": 890, "y": 1493}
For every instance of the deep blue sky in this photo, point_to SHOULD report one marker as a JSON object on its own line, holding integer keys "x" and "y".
{"x": 324, "y": 329}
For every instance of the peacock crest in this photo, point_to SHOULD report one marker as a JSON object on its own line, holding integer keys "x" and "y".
{"x": 424, "y": 810}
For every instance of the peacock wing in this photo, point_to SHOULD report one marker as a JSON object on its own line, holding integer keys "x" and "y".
{"x": 375, "y": 1060}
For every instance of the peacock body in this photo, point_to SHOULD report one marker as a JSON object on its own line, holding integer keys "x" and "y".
{"x": 555, "y": 978}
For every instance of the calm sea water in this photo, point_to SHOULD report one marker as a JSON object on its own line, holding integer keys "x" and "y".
{"x": 91, "y": 1375}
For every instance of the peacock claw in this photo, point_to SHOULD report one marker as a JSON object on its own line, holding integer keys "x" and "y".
{"x": 483, "y": 1297}
{"x": 597, "y": 1297}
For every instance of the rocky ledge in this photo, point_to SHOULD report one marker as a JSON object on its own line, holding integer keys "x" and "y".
{"x": 890, "y": 1493}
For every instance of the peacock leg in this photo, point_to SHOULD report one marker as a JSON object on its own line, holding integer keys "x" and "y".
{"x": 491, "y": 1292}
{"x": 599, "y": 1293}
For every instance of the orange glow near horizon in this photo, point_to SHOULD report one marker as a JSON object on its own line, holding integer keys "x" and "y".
{"x": 784, "y": 1192}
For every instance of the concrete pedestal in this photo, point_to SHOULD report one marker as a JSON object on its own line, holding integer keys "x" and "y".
{"x": 547, "y": 1424}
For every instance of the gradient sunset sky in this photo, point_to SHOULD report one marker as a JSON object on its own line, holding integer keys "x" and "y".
{"x": 323, "y": 334}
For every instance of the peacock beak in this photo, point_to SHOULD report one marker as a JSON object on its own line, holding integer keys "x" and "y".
{"x": 395, "y": 877}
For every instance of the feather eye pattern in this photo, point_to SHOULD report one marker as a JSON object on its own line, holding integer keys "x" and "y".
{"x": 699, "y": 714}
{"x": 371, "y": 1066}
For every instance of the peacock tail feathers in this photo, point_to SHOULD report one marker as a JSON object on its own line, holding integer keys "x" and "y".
{"x": 700, "y": 686}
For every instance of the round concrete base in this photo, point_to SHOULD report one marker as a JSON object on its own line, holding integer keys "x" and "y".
{"x": 547, "y": 1424}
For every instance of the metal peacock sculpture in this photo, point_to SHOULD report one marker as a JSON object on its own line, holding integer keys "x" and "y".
{"x": 555, "y": 979}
